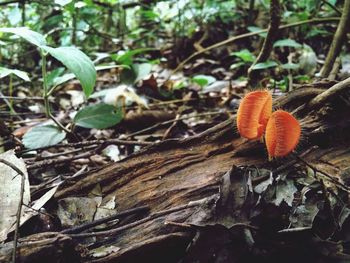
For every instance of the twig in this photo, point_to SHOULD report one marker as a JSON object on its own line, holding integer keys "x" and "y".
{"x": 8, "y": 103}
{"x": 294, "y": 230}
{"x": 52, "y": 156}
{"x": 332, "y": 6}
{"x": 139, "y": 222}
{"x": 2, "y": 97}
{"x": 235, "y": 38}
{"x": 19, "y": 209}
{"x": 92, "y": 142}
{"x": 45, "y": 163}
{"x": 322, "y": 98}
{"x": 259, "y": 179}
{"x": 80, "y": 228}
{"x": 333, "y": 74}
{"x": 328, "y": 176}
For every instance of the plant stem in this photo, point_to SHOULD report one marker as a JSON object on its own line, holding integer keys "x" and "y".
{"x": 46, "y": 94}
{"x": 10, "y": 93}
{"x": 44, "y": 74}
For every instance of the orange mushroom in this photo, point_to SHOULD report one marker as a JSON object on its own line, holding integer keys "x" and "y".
{"x": 282, "y": 134}
{"x": 253, "y": 114}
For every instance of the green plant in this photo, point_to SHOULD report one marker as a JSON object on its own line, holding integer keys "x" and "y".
{"x": 245, "y": 58}
{"x": 4, "y": 72}
{"x": 74, "y": 59}
{"x": 203, "y": 80}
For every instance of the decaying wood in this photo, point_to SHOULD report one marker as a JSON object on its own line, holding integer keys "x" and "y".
{"x": 201, "y": 179}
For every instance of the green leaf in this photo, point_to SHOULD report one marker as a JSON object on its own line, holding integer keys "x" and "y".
{"x": 21, "y": 74}
{"x": 257, "y": 29}
{"x": 126, "y": 58}
{"x": 99, "y": 116}
{"x": 265, "y": 65}
{"x": 237, "y": 65}
{"x": 142, "y": 70}
{"x": 104, "y": 67}
{"x": 54, "y": 74}
{"x": 287, "y": 43}
{"x": 42, "y": 136}
{"x": 302, "y": 78}
{"x": 62, "y": 79}
{"x": 77, "y": 62}
{"x": 128, "y": 76}
{"x": 31, "y": 36}
{"x": 245, "y": 55}
{"x": 290, "y": 66}
{"x": 59, "y": 80}
{"x": 203, "y": 80}
{"x": 135, "y": 73}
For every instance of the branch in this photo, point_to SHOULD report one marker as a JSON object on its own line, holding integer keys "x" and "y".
{"x": 235, "y": 38}
{"x": 338, "y": 40}
{"x": 9, "y": 2}
{"x": 321, "y": 99}
{"x": 272, "y": 34}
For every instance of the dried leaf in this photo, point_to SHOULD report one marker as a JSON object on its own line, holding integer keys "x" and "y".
{"x": 10, "y": 189}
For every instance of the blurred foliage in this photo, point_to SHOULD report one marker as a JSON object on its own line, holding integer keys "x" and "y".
{"x": 137, "y": 34}
{"x": 133, "y": 38}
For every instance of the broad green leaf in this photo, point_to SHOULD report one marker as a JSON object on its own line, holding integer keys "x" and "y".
{"x": 287, "y": 43}
{"x": 69, "y": 76}
{"x": 265, "y": 65}
{"x": 62, "y": 79}
{"x": 302, "y": 78}
{"x": 135, "y": 73}
{"x": 142, "y": 70}
{"x": 21, "y": 74}
{"x": 245, "y": 55}
{"x": 99, "y": 116}
{"x": 203, "y": 80}
{"x": 104, "y": 67}
{"x": 128, "y": 76}
{"x": 290, "y": 66}
{"x": 237, "y": 65}
{"x": 53, "y": 75}
{"x": 179, "y": 84}
{"x": 31, "y": 36}
{"x": 42, "y": 136}
{"x": 317, "y": 31}
{"x": 126, "y": 58}
{"x": 257, "y": 29}
{"x": 77, "y": 62}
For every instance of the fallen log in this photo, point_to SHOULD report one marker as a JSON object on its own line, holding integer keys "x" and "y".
{"x": 214, "y": 197}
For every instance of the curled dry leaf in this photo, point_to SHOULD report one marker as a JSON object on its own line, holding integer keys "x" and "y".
{"x": 10, "y": 195}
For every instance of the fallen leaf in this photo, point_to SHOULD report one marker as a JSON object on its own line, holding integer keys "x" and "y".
{"x": 10, "y": 195}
